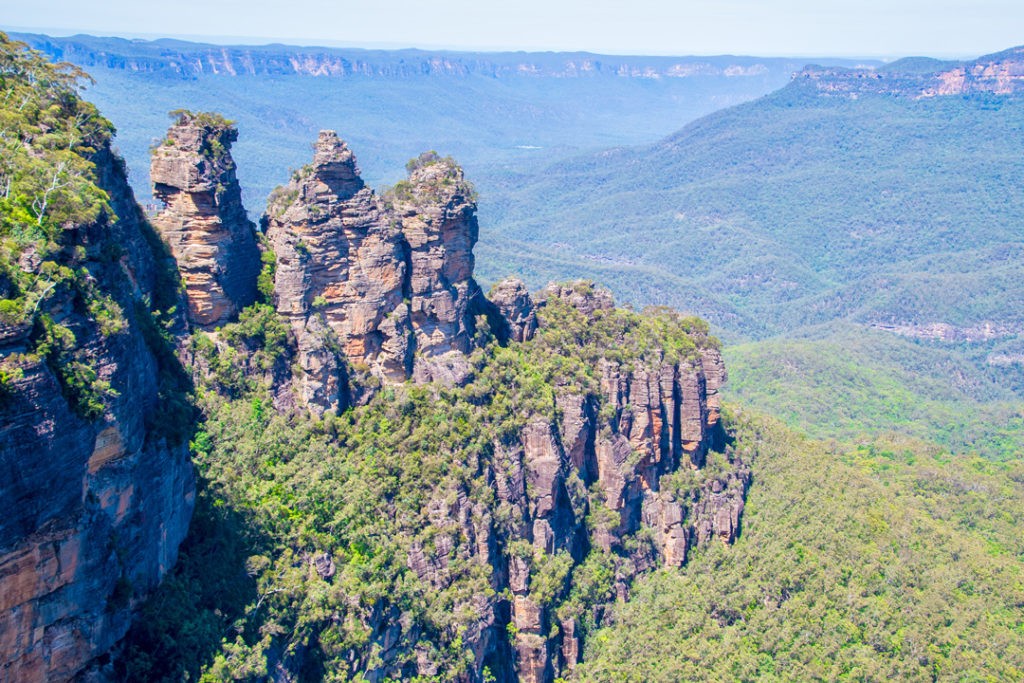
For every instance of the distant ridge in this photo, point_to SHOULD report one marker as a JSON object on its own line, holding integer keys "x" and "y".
{"x": 1001, "y": 73}
{"x": 187, "y": 59}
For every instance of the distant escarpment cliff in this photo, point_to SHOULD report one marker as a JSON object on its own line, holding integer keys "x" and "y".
{"x": 1001, "y": 73}
{"x": 179, "y": 59}
{"x": 498, "y": 445}
{"x": 97, "y": 487}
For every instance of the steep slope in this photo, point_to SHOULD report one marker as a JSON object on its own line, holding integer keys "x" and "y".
{"x": 97, "y": 487}
{"x": 452, "y": 533}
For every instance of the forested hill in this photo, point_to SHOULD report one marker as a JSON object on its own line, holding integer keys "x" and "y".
{"x": 872, "y": 232}
{"x": 517, "y": 108}
{"x": 807, "y": 205}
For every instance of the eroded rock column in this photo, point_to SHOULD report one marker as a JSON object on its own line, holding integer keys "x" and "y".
{"x": 204, "y": 222}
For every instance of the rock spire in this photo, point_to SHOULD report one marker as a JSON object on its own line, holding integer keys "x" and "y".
{"x": 204, "y": 222}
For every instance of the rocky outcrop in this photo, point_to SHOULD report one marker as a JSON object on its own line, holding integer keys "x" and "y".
{"x": 340, "y": 275}
{"x": 649, "y": 424}
{"x": 96, "y": 501}
{"x": 382, "y": 287}
{"x": 612, "y": 462}
{"x": 204, "y": 222}
{"x": 517, "y": 309}
{"x": 616, "y": 470}
{"x": 436, "y": 209}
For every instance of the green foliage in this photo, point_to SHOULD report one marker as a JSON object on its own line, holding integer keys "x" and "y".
{"x": 366, "y": 488}
{"x": 84, "y": 390}
{"x": 203, "y": 119}
{"x": 47, "y": 135}
{"x": 888, "y": 561}
{"x": 847, "y": 383}
{"x": 265, "y": 282}
{"x": 788, "y": 211}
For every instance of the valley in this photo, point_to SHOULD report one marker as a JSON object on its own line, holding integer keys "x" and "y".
{"x": 658, "y": 369}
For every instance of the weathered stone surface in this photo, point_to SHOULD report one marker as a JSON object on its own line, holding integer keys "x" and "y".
{"x": 517, "y": 309}
{"x": 203, "y": 221}
{"x": 389, "y": 284}
{"x": 94, "y": 509}
{"x": 340, "y": 275}
{"x": 436, "y": 209}
{"x": 714, "y": 377}
{"x": 534, "y": 664}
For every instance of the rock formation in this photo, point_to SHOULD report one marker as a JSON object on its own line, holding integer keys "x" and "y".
{"x": 389, "y": 284}
{"x": 436, "y": 209}
{"x": 340, "y": 275}
{"x": 203, "y": 222}
{"x": 648, "y": 422}
{"x": 381, "y": 290}
{"x": 95, "y": 505}
{"x": 517, "y": 309}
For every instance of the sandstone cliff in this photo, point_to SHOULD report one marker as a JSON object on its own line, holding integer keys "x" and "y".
{"x": 436, "y": 209}
{"x": 1001, "y": 73}
{"x": 381, "y": 286}
{"x": 97, "y": 489}
{"x": 340, "y": 276}
{"x": 203, "y": 222}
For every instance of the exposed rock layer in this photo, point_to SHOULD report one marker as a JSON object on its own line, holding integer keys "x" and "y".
{"x": 649, "y": 421}
{"x": 203, "y": 222}
{"x": 997, "y": 74}
{"x": 94, "y": 508}
{"x": 374, "y": 286}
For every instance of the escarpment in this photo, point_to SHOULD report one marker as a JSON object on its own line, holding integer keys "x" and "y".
{"x": 204, "y": 222}
{"x": 97, "y": 489}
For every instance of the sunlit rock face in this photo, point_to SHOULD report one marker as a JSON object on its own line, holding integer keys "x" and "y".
{"x": 203, "y": 221}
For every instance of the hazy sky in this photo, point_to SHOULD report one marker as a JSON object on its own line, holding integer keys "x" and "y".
{"x": 759, "y": 27}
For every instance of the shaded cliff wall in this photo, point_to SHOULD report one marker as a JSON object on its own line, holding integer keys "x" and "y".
{"x": 95, "y": 505}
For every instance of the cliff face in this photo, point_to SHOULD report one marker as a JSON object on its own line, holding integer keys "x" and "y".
{"x": 340, "y": 276}
{"x": 997, "y": 74}
{"x": 204, "y": 223}
{"x": 437, "y": 212}
{"x": 650, "y": 421}
{"x": 189, "y": 60}
{"x": 96, "y": 500}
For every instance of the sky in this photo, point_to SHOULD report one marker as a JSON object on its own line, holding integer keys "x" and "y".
{"x": 864, "y": 28}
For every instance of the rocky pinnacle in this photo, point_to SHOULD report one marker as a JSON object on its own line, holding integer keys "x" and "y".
{"x": 204, "y": 222}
